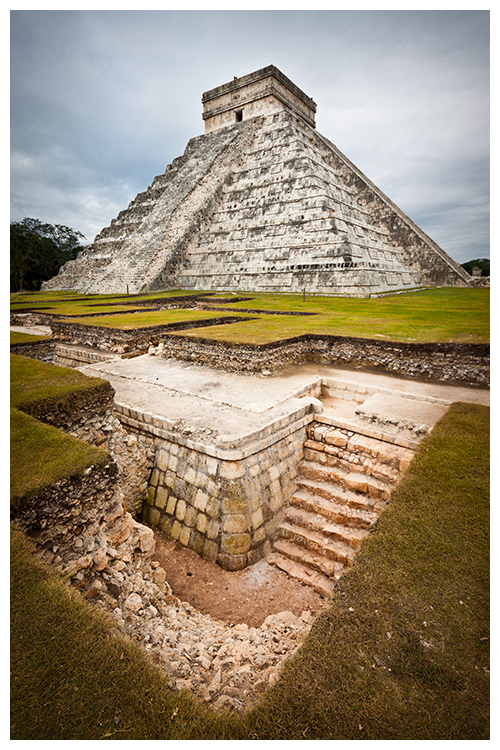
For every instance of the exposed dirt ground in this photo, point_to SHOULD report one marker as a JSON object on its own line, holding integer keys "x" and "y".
{"x": 243, "y": 596}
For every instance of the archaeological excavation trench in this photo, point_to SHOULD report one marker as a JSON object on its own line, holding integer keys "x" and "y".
{"x": 231, "y": 504}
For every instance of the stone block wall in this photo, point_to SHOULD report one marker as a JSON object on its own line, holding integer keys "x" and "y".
{"x": 226, "y": 510}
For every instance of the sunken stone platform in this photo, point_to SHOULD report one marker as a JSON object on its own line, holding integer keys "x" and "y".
{"x": 234, "y": 449}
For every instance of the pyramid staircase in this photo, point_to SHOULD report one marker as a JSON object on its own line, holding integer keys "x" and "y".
{"x": 345, "y": 480}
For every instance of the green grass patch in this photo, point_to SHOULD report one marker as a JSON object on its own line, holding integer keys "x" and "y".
{"x": 41, "y": 455}
{"x": 148, "y": 318}
{"x": 400, "y": 652}
{"x": 34, "y": 381}
{"x": 437, "y": 315}
{"x": 70, "y": 303}
{"x": 17, "y": 337}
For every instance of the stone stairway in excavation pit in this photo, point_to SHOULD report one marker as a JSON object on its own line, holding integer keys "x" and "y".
{"x": 345, "y": 480}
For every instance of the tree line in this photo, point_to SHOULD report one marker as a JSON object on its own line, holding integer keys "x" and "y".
{"x": 38, "y": 250}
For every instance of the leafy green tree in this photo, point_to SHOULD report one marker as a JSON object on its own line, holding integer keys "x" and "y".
{"x": 38, "y": 250}
{"x": 482, "y": 263}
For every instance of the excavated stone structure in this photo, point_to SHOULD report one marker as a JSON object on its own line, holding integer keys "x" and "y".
{"x": 260, "y": 202}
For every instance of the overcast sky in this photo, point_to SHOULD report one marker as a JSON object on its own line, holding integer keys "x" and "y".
{"x": 102, "y": 101}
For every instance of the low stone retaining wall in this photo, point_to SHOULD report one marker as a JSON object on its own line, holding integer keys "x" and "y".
{"x": 227, "y": 511}
{"x": 446, "y": 362}
{"x": 121, "y": 340}
{"x": 69, "y": 410}
{"x": 469, "y": 363}
{"x": 43, "y": 350}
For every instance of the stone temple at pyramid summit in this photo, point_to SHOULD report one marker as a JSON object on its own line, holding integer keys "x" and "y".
{"x": 260, "y": 202}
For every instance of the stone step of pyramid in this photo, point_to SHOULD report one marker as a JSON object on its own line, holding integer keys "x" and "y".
{"x": 310, "y": 577}
{"x": 349, "y": 480}
{"x": 306, "y": 519}
{"x": 318, "y": 542}
{"x": 333, "y": 511}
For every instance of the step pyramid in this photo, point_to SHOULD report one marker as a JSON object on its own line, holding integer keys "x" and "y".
{"x": 260, "y": 202}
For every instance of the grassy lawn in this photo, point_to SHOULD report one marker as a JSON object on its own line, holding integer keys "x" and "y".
{"x": 40, "y": 455}
{"x": 446, "y": 314}
{"x": 400, "y": 651}
{"x": 460, "y": 315}
{"x": 26, "y": 338}
{"x": 33, "y": 381}
{"x": 70, "y": 303}
{"x": 131, "y": 320}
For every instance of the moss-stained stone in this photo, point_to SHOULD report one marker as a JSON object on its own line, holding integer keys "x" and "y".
{"x": 153, "y": 516}
{"x": 232, "y": 469}
{"x": 255, "y": 498}
{"x": 235, "y": 544}
{"x": 172, "y": 501}
{"x": 213, "y": 506}
{"x": 257, "y": 518}
{"x": 213, "y": 529}
{"x": 254, "y": 555}
{"x": 151, "y": 495}
{"x": 153, "y": 481}
{"x": 259, "y": 535}
{"x": 201, "y": 523}
{"x": 197, "y": 543}
{"x": 162, "y": 460}
{"x": 201, "y": 500}
{"x": 166, "y": 524}
{"x": 161, "y": 497}
{"x": 233, "y": 500}
{"x": 232, "y": 562}
{"x": 175, "y": 530}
